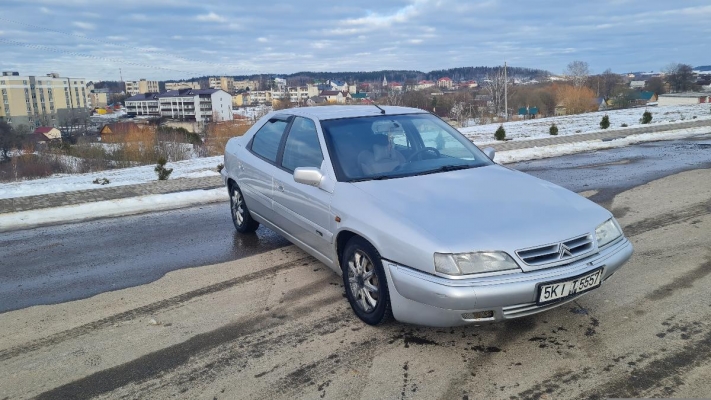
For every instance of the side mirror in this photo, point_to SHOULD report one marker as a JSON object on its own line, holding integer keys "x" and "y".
{"x": 311, "y": 176}
{"x": 490, "y": 152}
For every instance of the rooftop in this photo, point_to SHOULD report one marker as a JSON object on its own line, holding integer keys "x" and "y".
{"x": 687, "y": 94}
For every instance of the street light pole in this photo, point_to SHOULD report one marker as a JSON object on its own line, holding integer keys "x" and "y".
{"x": 506, "y": 93}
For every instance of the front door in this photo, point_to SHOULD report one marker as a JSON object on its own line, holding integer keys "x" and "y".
{"x": 303, "y": 210}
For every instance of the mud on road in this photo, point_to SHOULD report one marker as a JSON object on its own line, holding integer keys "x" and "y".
{"x": 277, "y": 325}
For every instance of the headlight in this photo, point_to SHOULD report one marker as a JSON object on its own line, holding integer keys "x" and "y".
{"x": 473, "y": 263}
{"x": 607, "y": 232}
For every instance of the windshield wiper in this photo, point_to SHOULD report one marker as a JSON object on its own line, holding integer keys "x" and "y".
{"x": 372, "y": 178}
{"x": 447, "y": 168}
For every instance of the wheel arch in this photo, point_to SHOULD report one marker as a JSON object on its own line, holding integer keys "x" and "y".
{"x": 342, "y": 239}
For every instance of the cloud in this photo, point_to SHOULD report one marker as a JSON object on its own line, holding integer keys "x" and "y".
{"x": 84, "y": 25}
{"x": 180, "y": 39}
{"x": 211, "y": 17}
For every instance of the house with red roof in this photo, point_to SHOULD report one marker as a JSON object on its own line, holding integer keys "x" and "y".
{"x": 445, "y": 82}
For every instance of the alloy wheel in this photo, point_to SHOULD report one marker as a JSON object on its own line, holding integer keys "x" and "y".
{"x": 363, "y": 281}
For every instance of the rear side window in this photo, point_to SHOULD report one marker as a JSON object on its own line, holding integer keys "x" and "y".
{"x": 302, "y": 148}
{"x": 266, "y": 141}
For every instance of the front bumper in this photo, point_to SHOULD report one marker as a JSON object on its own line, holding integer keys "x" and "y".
{"x": 424, "y": 299}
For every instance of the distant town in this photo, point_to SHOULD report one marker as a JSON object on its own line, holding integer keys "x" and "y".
{"x": 464, "y": 96}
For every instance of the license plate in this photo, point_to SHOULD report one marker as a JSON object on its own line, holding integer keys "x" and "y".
{"x": 548, "y": 292}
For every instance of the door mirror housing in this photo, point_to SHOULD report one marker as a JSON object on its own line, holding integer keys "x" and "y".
{"x": 311, "y": 176}
{"x": 490, "y": 152}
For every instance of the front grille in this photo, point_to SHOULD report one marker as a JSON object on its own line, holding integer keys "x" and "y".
{"x": 556, "y": 252}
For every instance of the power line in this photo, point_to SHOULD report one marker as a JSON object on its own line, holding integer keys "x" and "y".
{"x": 222, "y": 65}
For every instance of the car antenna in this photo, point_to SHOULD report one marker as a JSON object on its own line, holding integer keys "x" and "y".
{"x": 373, "y": 103}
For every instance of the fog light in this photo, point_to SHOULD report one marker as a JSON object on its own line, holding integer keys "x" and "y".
{"x": 479, "y": 315}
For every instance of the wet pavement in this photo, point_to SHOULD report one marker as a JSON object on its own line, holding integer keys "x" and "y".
{"x": 56, "y": 264}
{"x": 616, "y": 170}
{"x": 67, "y": 262}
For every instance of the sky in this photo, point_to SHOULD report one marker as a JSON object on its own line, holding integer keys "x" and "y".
{"x": 180, "y": 39}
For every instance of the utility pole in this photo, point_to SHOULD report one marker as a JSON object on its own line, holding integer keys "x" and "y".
{"x": 506, "y": 93}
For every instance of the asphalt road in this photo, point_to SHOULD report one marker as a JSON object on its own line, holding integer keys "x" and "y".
{"x": 275, "y": 325}
{"x": 55, "y": 264}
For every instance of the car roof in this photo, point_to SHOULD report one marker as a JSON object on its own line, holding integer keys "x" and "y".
{"x": 335, "y": 112}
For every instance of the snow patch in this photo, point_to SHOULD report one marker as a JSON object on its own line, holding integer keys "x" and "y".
{"x": 109, "y": 208}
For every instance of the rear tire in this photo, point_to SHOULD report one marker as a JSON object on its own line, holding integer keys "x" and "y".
{"x": 241, "y": 217}
{"x": 365, "y": 282}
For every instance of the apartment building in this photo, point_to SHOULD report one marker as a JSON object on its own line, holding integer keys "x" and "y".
{"x": 224, "y": 83}
{"x": 141, "y": 86}
{"x": 246, "y": 85}
{"x": 261, "y": 96}
{"x": 203, "y": 105}
{"x": 98, "y": 98}
{"x": 143, "y": 104}
{"x": 181, "y": 85}
{"x": 40, "y": 100}
{"x": 300, "y": 94}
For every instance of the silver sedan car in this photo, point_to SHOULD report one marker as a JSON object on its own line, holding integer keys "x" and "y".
{"x": 421, "y": 224}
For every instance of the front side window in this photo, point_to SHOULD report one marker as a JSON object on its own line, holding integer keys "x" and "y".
{"x": 302, "y": 148}
{"x": 266, "y": 141}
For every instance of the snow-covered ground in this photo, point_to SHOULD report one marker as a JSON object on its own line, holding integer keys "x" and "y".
{"x": 535, "y": 153}
{"x": 193, "y": 168}
{"x": 110, "y": 208}
{"x": 586, "y": 123}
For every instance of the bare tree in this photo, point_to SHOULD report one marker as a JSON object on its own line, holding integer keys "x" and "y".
{"x": 578, "y": 72}
{"x": 496, "y": 87}
{"x": 680, "y": 77}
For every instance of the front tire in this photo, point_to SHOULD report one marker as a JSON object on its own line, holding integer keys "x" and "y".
{"x": 365, "y": 282}
{"x": 241, "y": 217}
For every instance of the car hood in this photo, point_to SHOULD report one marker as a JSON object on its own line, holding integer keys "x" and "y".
{"x": 485, "y": 208}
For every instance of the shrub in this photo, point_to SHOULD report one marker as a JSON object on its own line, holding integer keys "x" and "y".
{"x": 553, "y": 130}
{"x": 624, "y": 125}
{"x": 161, "y": 170}
{"x": 646, "y": 117}
{"x": 102, "y": 181}
{"x": 605, "y": 122}
{"x": 500, "y": 133}
{"x": 220, "y": 166}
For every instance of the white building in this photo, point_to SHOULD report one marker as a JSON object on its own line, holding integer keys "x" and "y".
{"x": 205, "y": 105}
{"x": 677, "y": 99}
{"x": 143, "y": 104}
{"x": 637, "y": 84}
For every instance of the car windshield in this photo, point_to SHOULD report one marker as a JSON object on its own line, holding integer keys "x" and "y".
{"x": 396, "y": 146}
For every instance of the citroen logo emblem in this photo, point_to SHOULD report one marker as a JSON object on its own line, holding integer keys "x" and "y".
{"x": 564, "y": 251}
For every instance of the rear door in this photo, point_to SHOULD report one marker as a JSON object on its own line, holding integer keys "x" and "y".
{"x": 259, "y": 166}
{"x": 303, "y": 210}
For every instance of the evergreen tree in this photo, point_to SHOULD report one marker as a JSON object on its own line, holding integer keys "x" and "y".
{"x": 553, "y": 130}
{"x": 605, "y": 123}
{"x": 161, "y": 170}
{"x": 500, "y": 133}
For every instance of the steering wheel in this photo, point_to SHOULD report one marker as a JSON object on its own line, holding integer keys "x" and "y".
{"x": 423, "y": 150}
